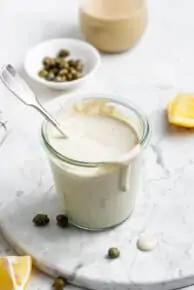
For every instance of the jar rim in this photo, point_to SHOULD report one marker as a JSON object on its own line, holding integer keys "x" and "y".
{"x": 143, "y": 140}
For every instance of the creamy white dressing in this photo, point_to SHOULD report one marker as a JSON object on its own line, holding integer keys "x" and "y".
{"x": 101, "y": 196}
{"x": 94, "y": 138}
{"x": 147, "y": 242}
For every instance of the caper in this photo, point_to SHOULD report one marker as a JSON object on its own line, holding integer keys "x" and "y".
{"x": 79, "y": 65}
{"x": 49, "y": 62}
{"x": 64, "y": 78}
{"x": 59, "y": 79}
{"x": 43, "y": 73}
{"x": 51, "y": 76}
{"x": 54, "y": 71}
{"x": 59, "y": 60}
{"x": 62, "y": 221}
{"x": 63, "y": 64}
{"x": 71, "y": 62}
{"x": 76, "y": 76}
{"x": 59, "y": 283}
{"x": 72, "y": 71}
{"x": 69, "y": 77}
{"x": 63, "y": 72}
{"x": 46, "y": 61}
{"x": 63, "y": 53}
{"x": 53, "y": 62}
{"x": 79, "y": 75}
{"x": 113, "y": 253}
{"x": 41, "y": 220}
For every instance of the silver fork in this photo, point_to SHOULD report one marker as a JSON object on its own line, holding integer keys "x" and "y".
{"x": 16, "y": 84}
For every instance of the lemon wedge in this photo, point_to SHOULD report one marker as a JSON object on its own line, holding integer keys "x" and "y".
{"x": 181, "y": 110}
{"x": 15, "y": 272}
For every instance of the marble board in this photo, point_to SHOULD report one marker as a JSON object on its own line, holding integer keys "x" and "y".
{"x": 164, "y": 207}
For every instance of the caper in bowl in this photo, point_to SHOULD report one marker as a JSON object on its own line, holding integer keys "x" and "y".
{"x": 62, "y": 63}
{"x": 60, "y": 68}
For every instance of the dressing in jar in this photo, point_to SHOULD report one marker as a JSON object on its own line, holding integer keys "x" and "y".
{"x": 97, "y": 194}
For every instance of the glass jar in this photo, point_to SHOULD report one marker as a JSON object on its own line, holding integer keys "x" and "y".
{"x": 113, "y": 25}
{"x": 98, "y": 196}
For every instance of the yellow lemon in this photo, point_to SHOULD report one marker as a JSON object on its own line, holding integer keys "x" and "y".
{"x": 15, "y": 272}
{"x": 181, "y": 110}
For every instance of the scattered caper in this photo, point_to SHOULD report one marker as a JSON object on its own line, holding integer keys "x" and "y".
{"x": 51, "y": 76}
{"x": 59, "y": 283}
{"x": 62, "y": 220}
{"x": 63, "y": 53}
{"x": 41, "y": 220}
{"x": 43, "y": 73}
{"x": 113, "y": 253}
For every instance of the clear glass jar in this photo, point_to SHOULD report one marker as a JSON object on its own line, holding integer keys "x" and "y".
{"x": 113, "y": 25}
{"x": 95, "y": 196}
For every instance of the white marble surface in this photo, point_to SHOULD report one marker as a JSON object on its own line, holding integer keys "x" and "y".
{"x": 161, "y": 65}
{"x": 164, "y": 208}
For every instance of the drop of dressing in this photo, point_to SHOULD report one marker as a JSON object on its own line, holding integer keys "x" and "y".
{"x": 147, "y": 243}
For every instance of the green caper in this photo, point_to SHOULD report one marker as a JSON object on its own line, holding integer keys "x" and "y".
{"x": 63, "y": 72}
{"x": 113, "y": 253}
{"x": 41, "y": 220}
{"x": 46, "y": 61}
{"x": 53, "y": 62}
{"x": 75, "y": 76}
{"x": 63, "y": 64}
{"x": 64, "y": 78}
{"x": 73, "y": 71}
{"x": 64, "y": 53}
{"x": 69, "y": 77}
{"x": 59, "y": 283}
{"x": 58, "y": 61}
{"x": 71, "y": 62}
{"x": 43, "y": 73}
{"x": 79, "y": 65}
{"x": 54, "y": 71}
{"x": 59, "y": 79}
{"x": 49, "y": 62}
{"x": 79, "y": 75}
{"x": 62, "y": 221}
{"x": 51, "y": 76}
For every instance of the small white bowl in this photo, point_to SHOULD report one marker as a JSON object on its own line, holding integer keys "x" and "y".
{"x": 79, "y": 50}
